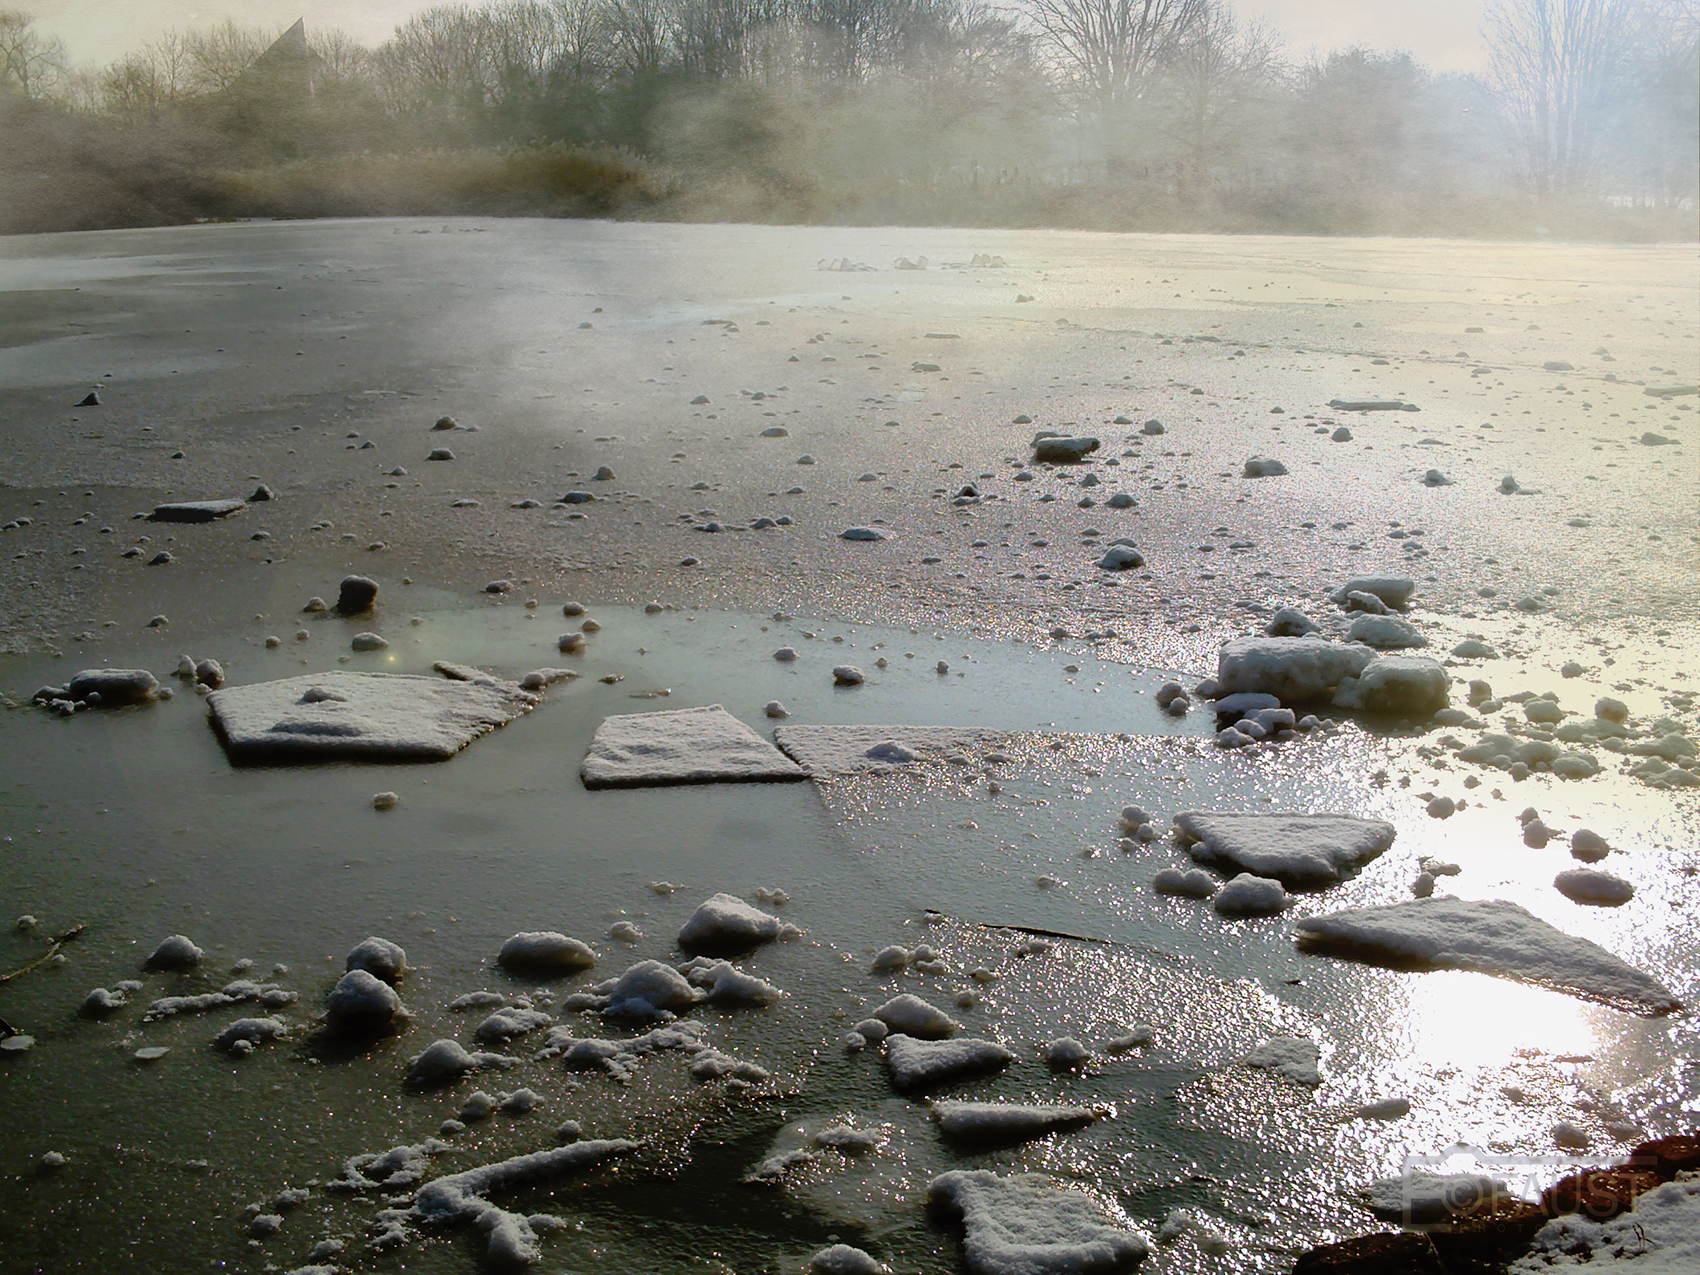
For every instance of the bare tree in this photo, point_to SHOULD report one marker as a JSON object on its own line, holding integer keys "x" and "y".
{"x": 1558, "y": 65}
{"x": 1213, "y": 84}
{"x": 219, "y": 55}
{"x": 1110, "y": 47}
{"x": 30, "y": 63}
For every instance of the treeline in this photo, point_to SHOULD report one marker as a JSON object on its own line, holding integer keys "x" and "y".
{"x": 1114, "y": 114}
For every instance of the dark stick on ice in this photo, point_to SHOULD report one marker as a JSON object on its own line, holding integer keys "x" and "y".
{"x": 58, "y": 942}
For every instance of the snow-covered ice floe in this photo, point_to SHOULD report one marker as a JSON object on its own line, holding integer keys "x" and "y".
{"x": 1294, "y": 1057}
{"x": 1659, "y": 1236}
{"x": 1488, "y": 936}
{"x": 1433, "y": 1197}
{"x": 1007, "y": 1123}
{"x": 344, "y": 714}
{"x": 853, "y": 750}
{"x": 917, "y": 1064}
{"x": 681, "y": 746}
{"x": 1025, "y": 1224}
{"x": 1299, "y": 850}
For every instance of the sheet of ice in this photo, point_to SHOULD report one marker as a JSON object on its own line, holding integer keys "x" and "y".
{"x": 1006, "y": 1123}
{"x": 1297, "y": 670}
{"x": 1659, "y": 1236}
{"x": 1490, "y": 936}
{"x": 620, "y": 1057}
{"x": 345, "y": 714}
{"x": 1294, "y": 1057}
{"x": 854, "y": 750}
{"x": 916, "y": 1064}
{"x": 681, "y": 746}
{"x": 1299, "y": 850}
{"x": 1026, "y": 1224}
{"x": 1433, "y": 1197}
{"x": 725, "y": 923}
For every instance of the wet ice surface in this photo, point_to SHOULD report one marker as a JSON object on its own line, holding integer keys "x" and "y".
{"x": 151, "y": 832}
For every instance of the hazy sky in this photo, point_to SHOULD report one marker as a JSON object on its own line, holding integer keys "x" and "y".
{"x": 1444, "y": 35}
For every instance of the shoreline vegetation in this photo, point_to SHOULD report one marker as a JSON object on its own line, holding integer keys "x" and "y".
{"x": 865, "y": 112}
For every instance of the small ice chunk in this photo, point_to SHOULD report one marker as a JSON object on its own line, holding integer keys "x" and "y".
{"x": 681, "y": 746}
{"x": 893, "y": 958}
{"x": 1294, "y": 1057}
{"x": 545, "y": 951}
{"x": 912, "y": 1016}
{"x": 619, "y": 1058}
{"x": 241, "y": 1036}
{"x": 729, "y": 986}
{"x": 443, "y": 1061}
{"x": 379, "y": 958}
{"x": 1386, "y": 1109}
{"x": 724, "y": 923}
{"x": 1193, "y": 883}
{"x": 1433, "y": 1197}
{"x": 891, "y": 753}
{"x": 1300, "y": 850}
{"x": 1600, "y": 889}
{"x": 648, "y": 990}
{"x": 871, "y": 1030}
{"x": 100, "y": 1002}
{"x": 506, "y": 1024}
{"x": 1025, "y": 1224}
{"x": 1066, "y": 1053}
{"x": 1588, "y": 845}
{"x": 916, "y": 1064}
{"x": 1249, "y": 895}
{"x": 842, "y": 1259}
{"x": 848, "y": 675}
{"x": 175, "y": 952}
{"x": 1005, "y": 1124}
{"x": 360, "y": 1002}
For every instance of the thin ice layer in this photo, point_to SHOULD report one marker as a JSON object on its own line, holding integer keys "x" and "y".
{"x": 853, "y": 750}
{"x": 1298, "y": 850}
{"x": 1489, "y": 936}
{"x": 344, "y": 714}
{"x": 681, "y": 746}
{"x": 1025, "y": 1224}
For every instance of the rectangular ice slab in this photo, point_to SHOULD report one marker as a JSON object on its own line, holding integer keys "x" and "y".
{"x": 853, "y": 750}
{"x": 1489, "y": 936}
{"x": 196, "y": 510}
{"x": 1301, "y": 851}
{"x": 681, "y": 746}
{"x": 370, "y": 716}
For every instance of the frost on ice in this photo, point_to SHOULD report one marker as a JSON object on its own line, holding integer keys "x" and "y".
{"x": 1025, "y": 1224}
{"x": 1007, "y": 1123}
{"x": 1291, "y": 1056}
{"x": 681, "y": 746}
{"x": 459, "y": 1198}
{"x": 1489, "y": 937}
{"x": 1660, "y": 1235}
{"x": 1299, "y": 850}
{"x": 376, "y": 716}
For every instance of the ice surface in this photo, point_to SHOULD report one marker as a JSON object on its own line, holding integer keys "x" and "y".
{"x": 1491, "y": 937}
{"x": 681, "y": 746}
{"x": 915, "y": 1064}
{"x": 725, "y": 923}
{"x": 850, "y": 750}
{"x": 1659, "y": 1236}
{"x": 1433, "y": 1197}
{"x": 1304, "y": 851}
{"x": 1025, "y": 1224}
{"x": 912, "y": 1016}
{"x": 1297, "y": 670}
{"x": 376, "y": 716}
{"x": 1006, "y": 1123}
{"x": 1291, "y": 1056}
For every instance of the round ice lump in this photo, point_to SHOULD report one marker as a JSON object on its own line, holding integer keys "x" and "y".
{"x": 841, "y": 1259}
{"x": 725, "y": 923}
{"x": 545, "y": 951}
{"x": 1248, "y": 895}
{"x": 362, "y": 1002}
{"x": 912, "y": 1016}
{"x": 379, "y": 958}
{"x": 176, "y": 952}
